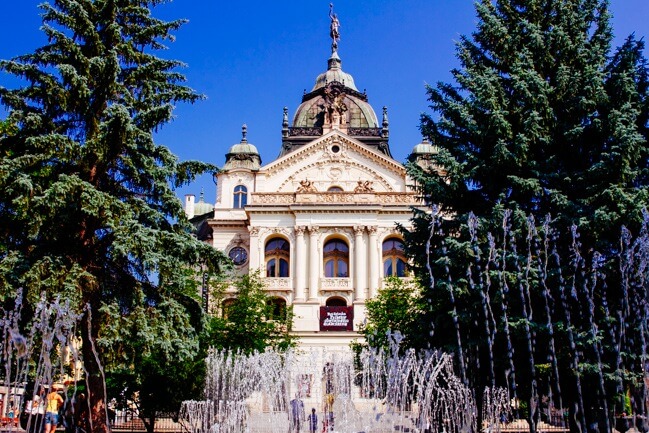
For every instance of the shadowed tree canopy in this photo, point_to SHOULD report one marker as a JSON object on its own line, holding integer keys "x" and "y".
{"x": 542, "y": 118}
{"x": 88, "y": 210}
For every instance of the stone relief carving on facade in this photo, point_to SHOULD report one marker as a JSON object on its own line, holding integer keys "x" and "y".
{"x": 238, "y": 241}
{"x": 335, "y": 197}
{"x": 341, "y": 231}
{"x": 274, "y": 198}
{"x": 334, "y": 173}
{"x": 314, "y": 233}
{"x": 338, "y": 197}
{"x": 346, "y": 146}
{"x": 365, "y": 132}
{"x": 364, "y": 186}
{"x": 306, "y": 186}
{"x": 334, "y": 150}
{"x": 309, "y": 131}
{"x": 244, "y": 177}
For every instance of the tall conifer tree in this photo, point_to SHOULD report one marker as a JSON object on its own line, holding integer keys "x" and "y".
{"x": 542, "y": 119}
{"x": 88, "y": 209}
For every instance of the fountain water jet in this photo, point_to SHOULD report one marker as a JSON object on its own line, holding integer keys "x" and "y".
{"x": 45, "y": 353}
{"x": 373, "y": 392}
{"x": 561, "y": 326}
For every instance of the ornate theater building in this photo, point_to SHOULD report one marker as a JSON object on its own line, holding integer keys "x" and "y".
{"x": 319, "y": 222}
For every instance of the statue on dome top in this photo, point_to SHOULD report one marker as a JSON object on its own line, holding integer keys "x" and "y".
{"x": 334, "y": 28}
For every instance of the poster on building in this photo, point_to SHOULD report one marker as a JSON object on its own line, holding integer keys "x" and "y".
{"x": 336, "y": 318}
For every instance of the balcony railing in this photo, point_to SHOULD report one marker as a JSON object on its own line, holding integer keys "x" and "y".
{"x": 336, "y": 284}
{"x": 312, "y": 131}
{"x": 278, "y": 284}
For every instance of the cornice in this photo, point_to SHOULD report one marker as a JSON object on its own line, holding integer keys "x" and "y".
{"x": 269, "y": 199}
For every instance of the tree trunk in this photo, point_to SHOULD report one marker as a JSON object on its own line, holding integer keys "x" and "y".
{"x": 94, "y": 377}
{"x": 149, "y": 421}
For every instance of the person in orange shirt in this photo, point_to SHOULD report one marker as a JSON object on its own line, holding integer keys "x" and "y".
{"x": 53, "y": 402}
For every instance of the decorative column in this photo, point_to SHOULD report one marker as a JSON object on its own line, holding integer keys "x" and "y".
{"x": 256, "y": 255}
{"x": 360, "y": 279}
{"x": 300, "y": 264}
{"x": 373, "y": 265}
{"x": 314, "y": 261}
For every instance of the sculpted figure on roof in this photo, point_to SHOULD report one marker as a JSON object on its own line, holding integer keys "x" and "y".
{"x": 334, "y": 28}
{"x": 334, "y": 105}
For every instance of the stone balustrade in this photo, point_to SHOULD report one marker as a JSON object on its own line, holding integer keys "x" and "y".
{"x": 344, "y": 284}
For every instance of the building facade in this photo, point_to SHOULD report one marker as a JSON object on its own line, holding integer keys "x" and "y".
{"x": 319, "y": 222}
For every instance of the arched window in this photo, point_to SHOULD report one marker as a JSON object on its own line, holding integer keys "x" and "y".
{"x": 240, "y": 196}
{"x": 336, "y": 302}
{"x": 276, "y": 309}
{"x": 335, "y": 189}
{"x": 336, "y": 259}
{"x": 277, "y": 258}
{"x": 394, "y": 259}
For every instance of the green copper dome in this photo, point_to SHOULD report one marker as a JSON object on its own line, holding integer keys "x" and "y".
{"x": 334, "y": 73}
{"x": 243, "y": 154}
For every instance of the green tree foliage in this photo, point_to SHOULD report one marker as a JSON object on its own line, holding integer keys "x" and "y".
{"x": 156, "y": 384}
{"x": 7, "y": 128}
{"x": 396, "y": 308}
{"x": 251, "y": 321}
{"x": 542, "y": 119}
{"x": 88, "y": 210}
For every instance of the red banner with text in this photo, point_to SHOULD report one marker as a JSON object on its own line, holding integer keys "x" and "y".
{"x": 336, "y": 318}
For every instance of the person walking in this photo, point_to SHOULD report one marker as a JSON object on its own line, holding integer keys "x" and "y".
{"x": 53, "y": 402}
{"x": 313, "y": 421}
{"x": 297, "y": 414}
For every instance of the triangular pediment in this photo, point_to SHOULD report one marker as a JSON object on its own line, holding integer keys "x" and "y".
{"x": 334, "y": 160}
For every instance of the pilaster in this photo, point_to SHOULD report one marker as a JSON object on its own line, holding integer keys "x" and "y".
{"x": 373, "y": 260}
{"x": 360, "y": 265}
{"x": 300, "y": 264}
{"x": 314, "y": 262}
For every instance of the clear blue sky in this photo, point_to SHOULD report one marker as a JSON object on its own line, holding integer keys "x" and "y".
{"x": 252, "y": 58}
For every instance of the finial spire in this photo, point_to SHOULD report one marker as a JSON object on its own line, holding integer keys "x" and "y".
{"x": 244, "y": 132}
{"x": 385, "y": 131}
{"x": 285, "y": 123}
{"x": 334, "y": 31}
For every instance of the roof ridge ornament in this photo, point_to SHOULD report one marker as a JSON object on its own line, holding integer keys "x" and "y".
{"x": 334, "y": 29}
{"x": 244, "y": 132}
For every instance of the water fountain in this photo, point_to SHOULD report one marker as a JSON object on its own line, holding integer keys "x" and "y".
{"x": 372, "y": 392}
{"x": 563, "y": 328}
{"x": 42, "y": 355}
